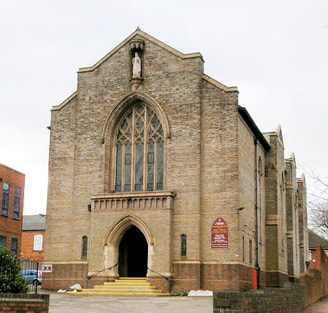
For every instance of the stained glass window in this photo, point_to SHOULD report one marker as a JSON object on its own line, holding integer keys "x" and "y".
{"x": 150, "y": 169}
{"x": 139, "y": 149}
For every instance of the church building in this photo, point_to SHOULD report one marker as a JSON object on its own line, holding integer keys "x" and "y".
{"x": 156, "y": 171}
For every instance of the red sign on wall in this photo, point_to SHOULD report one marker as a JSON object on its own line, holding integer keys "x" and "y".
{"x": 219, "y": 234}
{"x": 47, "y": 268}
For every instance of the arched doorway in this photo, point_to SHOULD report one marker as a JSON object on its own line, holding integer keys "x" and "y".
{"x": 133, "y": 254}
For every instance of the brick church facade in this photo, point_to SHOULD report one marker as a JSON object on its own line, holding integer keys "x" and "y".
{"x": 156, "y": 171}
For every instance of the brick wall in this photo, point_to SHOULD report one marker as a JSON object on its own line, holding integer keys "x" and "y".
{"x": 161, "y": 283}
{"x": 194, "y": 276}
{"x": 10, "y": 226}
{"x": 289, "y": 299}
{"x": 65, "y": 275}
{"x": 20, "y": 303}
{"x": 316, "y": 278}
{"x": 28, "y": 244}
{"x": 186, "y": 276}
{"x": 226, "y": 277}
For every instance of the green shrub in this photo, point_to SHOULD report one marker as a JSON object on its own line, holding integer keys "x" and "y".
{"x": 10, "y": 279}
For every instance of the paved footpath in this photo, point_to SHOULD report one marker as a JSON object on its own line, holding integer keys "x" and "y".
{"x": 319, "y": 307}
{"x": 66, "y": 303}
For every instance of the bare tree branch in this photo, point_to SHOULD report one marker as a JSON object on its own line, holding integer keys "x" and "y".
{"x": 318, "y": 206}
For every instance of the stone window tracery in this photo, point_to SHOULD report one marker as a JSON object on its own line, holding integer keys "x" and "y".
{"x": 139, "y": 150}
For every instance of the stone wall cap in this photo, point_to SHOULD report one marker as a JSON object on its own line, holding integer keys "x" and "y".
{"x": 65, "y": 102}
{"x": 220, "y": 85}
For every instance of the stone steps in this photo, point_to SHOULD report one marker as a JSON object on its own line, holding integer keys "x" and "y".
{"x": 132, "y": 286}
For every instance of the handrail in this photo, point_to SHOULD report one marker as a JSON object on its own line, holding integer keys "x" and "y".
{"x": 107, "y": 268}
{"x": 167, "y": 278}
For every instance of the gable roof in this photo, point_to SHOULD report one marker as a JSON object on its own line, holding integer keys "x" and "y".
{"x": 34, "y": 222}
{"x": 139, "y": 32}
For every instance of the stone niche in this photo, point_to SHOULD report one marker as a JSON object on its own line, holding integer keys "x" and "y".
{"x": 136, "y": 54}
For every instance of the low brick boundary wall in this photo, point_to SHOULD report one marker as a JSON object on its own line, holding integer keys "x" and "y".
{"x": 315, "y": 279}
{"x": 290, "y": 299}
{"x": 19, "y": 303}
{"x": 65, "y": 275}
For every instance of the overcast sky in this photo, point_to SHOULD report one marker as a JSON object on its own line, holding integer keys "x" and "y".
{"x": 275, "y": 52}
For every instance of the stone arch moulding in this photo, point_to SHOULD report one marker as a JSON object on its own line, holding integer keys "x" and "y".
{"x": 117, "y": 231}
{"x": 125, "y": 103}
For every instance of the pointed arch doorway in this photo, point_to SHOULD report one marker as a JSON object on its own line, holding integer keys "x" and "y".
{"x": 133, "y": 254}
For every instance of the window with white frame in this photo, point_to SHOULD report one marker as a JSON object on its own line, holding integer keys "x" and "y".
{"x": 38, "y": 242}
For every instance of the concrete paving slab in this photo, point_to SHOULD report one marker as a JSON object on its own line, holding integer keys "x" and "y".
{"x": 68, "y": 303}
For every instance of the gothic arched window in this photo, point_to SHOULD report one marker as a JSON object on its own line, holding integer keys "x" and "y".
{"x": 139, "y": 151}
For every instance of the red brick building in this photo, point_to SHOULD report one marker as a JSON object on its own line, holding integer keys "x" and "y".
{"x": 33, "y": 237}
{"x": 12, "y": 185}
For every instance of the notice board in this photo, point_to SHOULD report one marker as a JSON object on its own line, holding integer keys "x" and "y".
{"x": 219, "y": 234}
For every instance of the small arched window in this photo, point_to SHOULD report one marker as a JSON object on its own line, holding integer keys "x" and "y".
{"x": 84, "y": 252}
{"x": 139, "y": 151}
{"x": 183, "y": 245}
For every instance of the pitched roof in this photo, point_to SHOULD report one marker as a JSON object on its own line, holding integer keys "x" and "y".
{"x": 34, "y": 222}
{"x": 315, "y": 239}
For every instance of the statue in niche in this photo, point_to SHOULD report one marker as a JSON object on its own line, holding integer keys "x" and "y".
{"x": 136, "y": 69}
